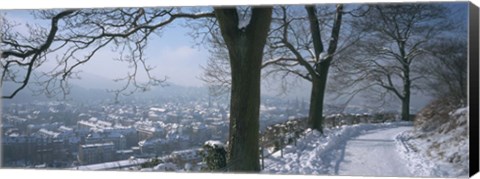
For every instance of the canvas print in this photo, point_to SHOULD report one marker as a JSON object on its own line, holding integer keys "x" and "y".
{"x": 377, "y": 89}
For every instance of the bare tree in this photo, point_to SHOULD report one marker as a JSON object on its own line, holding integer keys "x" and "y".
{"x": 216, "y": 73}
{"x": 299, "y": 41}
{"x": 386, "y": 60}
{"x": 447, "y": 68}
{"x": 323, "y": 58}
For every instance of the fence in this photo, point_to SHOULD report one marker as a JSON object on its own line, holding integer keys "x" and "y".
{"x": 279, "y": 135}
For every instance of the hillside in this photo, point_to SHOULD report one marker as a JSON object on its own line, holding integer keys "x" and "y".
{"x": 440, "y": 141}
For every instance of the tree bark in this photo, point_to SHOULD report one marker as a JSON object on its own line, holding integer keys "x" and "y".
{"x": 406, "y": 109}
{"x": 319, "y": 84}
{"x": 406, "y": 94}
{"x": 315, "y": 117}
{"x": 245, "y": 49}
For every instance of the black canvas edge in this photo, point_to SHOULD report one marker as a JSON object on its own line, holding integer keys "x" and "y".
{"x": 473, "y": 31}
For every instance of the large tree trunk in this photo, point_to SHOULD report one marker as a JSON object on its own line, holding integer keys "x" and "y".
{"x": 406, "y": 97}
{"x": 245, "y": 49}
{"x": 317, "y": 97}
{"x": 244, "y": 114}
{"x": 315, "y": 117}
{"x": 406, "y": 109}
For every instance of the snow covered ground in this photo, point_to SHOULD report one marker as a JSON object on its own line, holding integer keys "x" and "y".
{"x": 443, "y": 152}
{"x": 112, "y": 165}
{"x": 373, "y": 154}
{"x": 363, "y": 149}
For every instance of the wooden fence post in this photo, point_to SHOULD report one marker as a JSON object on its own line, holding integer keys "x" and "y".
{"x": 281, "y": 147}
{"x": 263, "y": 161}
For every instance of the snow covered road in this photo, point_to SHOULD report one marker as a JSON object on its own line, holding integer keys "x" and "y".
{"x": 373, "y": 154}
{"x": 364, "y": 149}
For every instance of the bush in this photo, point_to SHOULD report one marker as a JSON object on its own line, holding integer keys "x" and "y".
{"x": 435, "y": 114}
{"x": 214, "y": 155}
{"x": 152, "y": 163}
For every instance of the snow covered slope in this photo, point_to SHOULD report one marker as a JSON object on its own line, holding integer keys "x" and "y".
{"x": 442, "y": 151}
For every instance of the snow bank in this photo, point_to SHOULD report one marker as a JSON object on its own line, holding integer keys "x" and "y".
{"x": 323, "y": 56}
{"x": 312, "y": 154}
{"x": 441, "y": 152}
{"x": 214, "y": 144}
{"x": 112, "y": 165}
{"x": 165, "y": 167}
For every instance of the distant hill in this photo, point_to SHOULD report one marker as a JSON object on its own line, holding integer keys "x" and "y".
{"x": 92, "y": 81}
{"x": 91, "y": 88}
